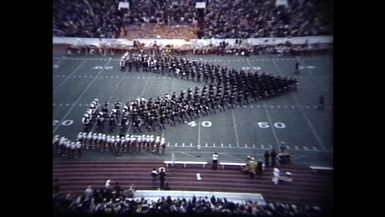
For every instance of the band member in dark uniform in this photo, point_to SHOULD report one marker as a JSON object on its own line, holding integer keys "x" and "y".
{"x": 297, "y": 67}
{"x": 321, "y": 102}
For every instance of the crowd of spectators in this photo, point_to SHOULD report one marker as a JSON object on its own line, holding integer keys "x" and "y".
{"x": 262, "y": 18}
{"x": 159, "y": 31}
{"x": 221, "y": 18}
{"x": 104, "y": 202}
{"x": 83, "y": 18}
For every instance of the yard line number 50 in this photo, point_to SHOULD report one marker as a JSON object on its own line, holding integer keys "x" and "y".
{"x": 278, "y": 125}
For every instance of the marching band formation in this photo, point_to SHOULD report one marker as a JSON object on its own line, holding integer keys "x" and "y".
{"x": 223, "y": 89}
{"x": 107, "y": 143}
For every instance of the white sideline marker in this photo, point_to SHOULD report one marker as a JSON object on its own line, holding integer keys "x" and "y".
{"x": 306, "y": 149}
{"x": 315, "y": 148}
{"x": 296, "y": 147}
{"x": 182, "y": 144}
{"x": 221, "y": 145}
{"x": 190, "y": 144}
{"x": 176, "y": 144}
{"x": 168, "y": 144}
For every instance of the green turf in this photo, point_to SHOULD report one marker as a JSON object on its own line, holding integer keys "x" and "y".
{"x": 303, "y": 123}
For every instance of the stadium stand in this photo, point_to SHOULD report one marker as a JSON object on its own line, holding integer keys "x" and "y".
{"x": 222, "y": 19}
{"x": 307, "y": 190}
{"x": 226, "y": 27}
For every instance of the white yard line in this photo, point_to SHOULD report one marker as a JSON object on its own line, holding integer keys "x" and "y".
{"x": 68, "y": 77}
{"x": 302, "y": 63}
{"x": 235, "y": 127}
{"x": 269, "y": 118}
{"x": 77, "y": 100}
{"x": 199, "y": 132}
{"x": 272, "y": 128}
{"x": 314, "y": 132}
{"x": 59, "y": 61}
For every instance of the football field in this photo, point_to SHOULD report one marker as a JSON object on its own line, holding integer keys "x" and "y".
{"x": 234, "y": 134}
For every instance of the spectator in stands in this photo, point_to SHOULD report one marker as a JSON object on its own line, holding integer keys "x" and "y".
{"x": 117, "y": 189}
{"x": 222, "y": 18}
{"x": 129, "y": 193}
{"x": 215, "y": 161}
{"x": 88, "y": 193}
{"x": 70, "y": 205}
{"x": 108, "y": 184}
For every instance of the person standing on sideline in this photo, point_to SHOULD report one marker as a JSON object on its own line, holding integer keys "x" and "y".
{"x": 267, "y": 156}
{"x": 215, "y": 161}
{"x": 273, "y": 155}
{"x": 162, "y": 176}
{"x": 154, "y": 174}
{"x": 259, "y": 168}
{"x": 297, "y": 67}
{"x": 276, "y": 174}
{"x": 321, "y": 102}
{"x": 282, "y": 147}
